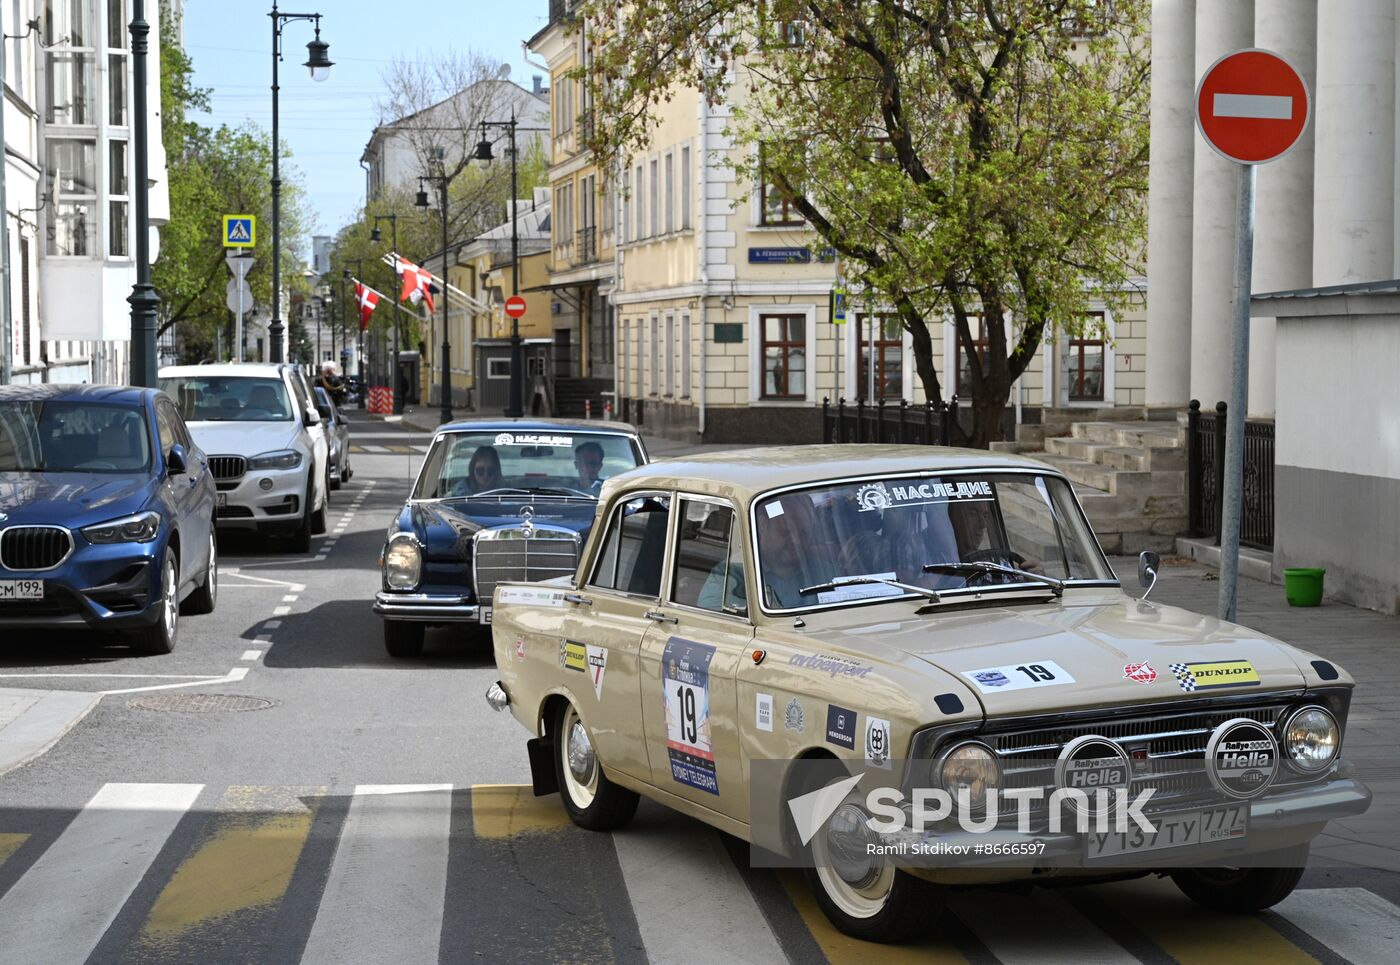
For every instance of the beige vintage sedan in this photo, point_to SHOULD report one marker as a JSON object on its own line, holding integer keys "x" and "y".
{"x": 944, "y": 616}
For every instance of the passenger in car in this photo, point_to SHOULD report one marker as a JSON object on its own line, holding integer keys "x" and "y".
{"x": 483, "y": 473}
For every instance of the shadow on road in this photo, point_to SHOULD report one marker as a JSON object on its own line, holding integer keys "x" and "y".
{"x": 346, "y": 634}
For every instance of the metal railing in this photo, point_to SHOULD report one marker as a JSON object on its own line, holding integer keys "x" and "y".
{"x": 929, "y": 424}
{"x": 586, "y": 247}
{"x": 1205, "y": 476}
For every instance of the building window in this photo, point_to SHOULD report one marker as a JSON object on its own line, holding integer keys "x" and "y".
{"x": 784, "y": 356}
{"x": 116, "y": 176}
{"x": 685, "y": 187}
{"x": 881, "y": 340}
{"x": 498, "y": 368}
{"x": 69, "y": 94}
{"x": 685, "y": 355}
{"x": 1085, "y": 368}
{"x": 670, "y": 172}
{"x": 622, "y": 359}
{"x": 670, "y": 354}
{"x": 28, "y": 336}
{"x": 655, "y": 351}
{"x": 116, "y": 90}
{"x": 773, "y": 207}
{"x": 979, "y": 343}
{"x": 653, "y": 189}
{"x": 72, "y": 223}
{"x": 626, "y": 206}
{"x": 641, "y": 373}
{"x": 641, "y": 208}
{"x": 607, "y": 200}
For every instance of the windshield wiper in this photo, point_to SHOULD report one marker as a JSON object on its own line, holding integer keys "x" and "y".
{"x": 837, "y": 582}
{"x": 557, "y": 491}
{"x": 972, "y": 569}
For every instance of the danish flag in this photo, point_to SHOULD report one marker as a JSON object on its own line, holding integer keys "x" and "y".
{"x": 417, "y": 284}
{"x": 367, "y": 298}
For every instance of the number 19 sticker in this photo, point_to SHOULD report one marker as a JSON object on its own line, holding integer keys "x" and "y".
{"x": 685, "y": 681}
{"x": 1019, "y": 676}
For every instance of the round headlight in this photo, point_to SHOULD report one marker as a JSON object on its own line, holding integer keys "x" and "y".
{"x": 969, "y": 768}
{"x": 403, "y": 563}
{"x": 1311, "y": 738}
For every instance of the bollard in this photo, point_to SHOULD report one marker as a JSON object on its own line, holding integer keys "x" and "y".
{"x": 588, "y": 408}
{"x": 607, "y": 410}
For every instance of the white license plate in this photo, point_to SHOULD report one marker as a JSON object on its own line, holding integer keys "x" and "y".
{"x": 21, "y": 590}
{"x": 484, "y": 615}
{"x": 222, "y": 500}
{"x": 1229, "y": 822}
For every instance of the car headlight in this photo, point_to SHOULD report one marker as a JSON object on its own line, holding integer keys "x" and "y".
{"x": 403, "y": 563}
{"x": 972, "y": 766}
{"x": 282, "y": 459}
{"x": 141, "y": 528}
{"x": 1311, "y": 739}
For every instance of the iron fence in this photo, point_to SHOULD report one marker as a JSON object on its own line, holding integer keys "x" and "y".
{"x": 930, "y": 424}
{"x": 1205, "y": 476}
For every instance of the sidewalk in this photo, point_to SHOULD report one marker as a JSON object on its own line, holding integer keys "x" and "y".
{"x": 32, "y": 721}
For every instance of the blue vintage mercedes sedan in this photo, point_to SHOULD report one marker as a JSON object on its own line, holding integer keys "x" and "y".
{"x": 106, "y": 513}
{"x": 496, "y": 501}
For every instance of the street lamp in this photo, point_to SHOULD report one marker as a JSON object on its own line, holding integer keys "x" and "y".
{"x": 318, "y": 62}
{"x": 377, "y": 235}
{"x": 347, "y": 276}
{"x": 143, "y": 299}
{"x": 442, "y": 178}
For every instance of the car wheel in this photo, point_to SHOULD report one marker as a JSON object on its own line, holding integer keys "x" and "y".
{"x": 301, "y": 536}
{"x": 592, "y": 801}
{"x": 160, "y": 638}
{"x": 863, "y": 895}
{"x": 1245, "y": 890}
{"x": 206, "y": 595}
{"x": 335, "y": 477}
{"x": 403, "y": 639}
{"x": 318, "y": 519}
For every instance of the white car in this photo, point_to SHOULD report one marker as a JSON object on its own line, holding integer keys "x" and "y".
{"x": 266, "y": 443}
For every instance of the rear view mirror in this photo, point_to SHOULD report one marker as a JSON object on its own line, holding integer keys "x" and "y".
{"x": 325, "y": 412}
{"x": 313, "y": 418}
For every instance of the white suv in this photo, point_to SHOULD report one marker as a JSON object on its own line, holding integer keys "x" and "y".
{"x": 266, "y": 444}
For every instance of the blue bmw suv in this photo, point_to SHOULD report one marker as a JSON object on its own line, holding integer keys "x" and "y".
{"x": 106, "y": 513}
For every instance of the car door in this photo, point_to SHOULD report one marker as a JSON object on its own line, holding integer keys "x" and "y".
{"x": 184, "y": 493}
{"x": 201, "y": 479}
{"x": 690, "y": 657}
{"x": 602, "y": 637}
{"x": 316, "y": 434}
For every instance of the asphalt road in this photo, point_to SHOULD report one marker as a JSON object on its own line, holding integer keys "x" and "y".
{"x": 279, "y": 790}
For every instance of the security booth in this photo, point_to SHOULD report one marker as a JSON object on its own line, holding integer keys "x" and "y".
{"x": 408, "y": 382}
{"x": 493, "y": 375}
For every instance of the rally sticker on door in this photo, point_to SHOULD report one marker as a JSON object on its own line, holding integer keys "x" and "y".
{"x": 685, "y": 681}
{"x": 1019, "y": 676}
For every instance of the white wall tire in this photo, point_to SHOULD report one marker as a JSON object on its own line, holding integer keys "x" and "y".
{"x": 591, "y": 800}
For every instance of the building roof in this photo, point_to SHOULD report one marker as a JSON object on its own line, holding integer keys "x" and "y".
{"x": 391, "y": 127}
{"x": 1390, "y": 287}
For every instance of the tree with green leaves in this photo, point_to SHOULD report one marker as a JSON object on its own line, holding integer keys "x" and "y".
{"x": 984, "y": 160}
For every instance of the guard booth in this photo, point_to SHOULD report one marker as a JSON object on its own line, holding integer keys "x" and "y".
{"x": 408, "y": 384}
{"x": 493, "y": 375}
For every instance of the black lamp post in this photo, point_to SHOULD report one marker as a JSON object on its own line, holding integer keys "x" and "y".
{"x": 360, "y": 365}
{"x": 319, "y": 63}
{"x": 421, "y": 201}
{"x": 376, "y": 235}
{"x": 143, "y": 298}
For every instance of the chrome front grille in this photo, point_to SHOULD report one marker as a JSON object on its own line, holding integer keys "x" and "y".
{"x": 510, "y": 556}
{"x": 227, "y": 467}
{"x": 31, "y": 548}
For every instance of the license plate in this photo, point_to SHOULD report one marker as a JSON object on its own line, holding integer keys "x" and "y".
{"x": 1229, "y": 822}
{"x": 21, "y": 590}
{"x": 223, "y": 500}
{"x": 484, "y": 615}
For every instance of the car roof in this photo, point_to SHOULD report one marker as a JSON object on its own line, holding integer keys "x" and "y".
{"x": 743, "y": 474}
{"x": 543, "y": 425}
{"x": 114, "y": 394}
{"x": 247, "y": 370}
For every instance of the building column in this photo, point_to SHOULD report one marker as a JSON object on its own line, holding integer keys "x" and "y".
{"x": 1220, "y": 29}
{"x": 1354, "y": 184}
{"x": 1283, "y": 199}
{"x": 1173, "y": 133}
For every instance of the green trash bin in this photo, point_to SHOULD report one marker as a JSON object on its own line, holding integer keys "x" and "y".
{"x": 1303, "y": 585}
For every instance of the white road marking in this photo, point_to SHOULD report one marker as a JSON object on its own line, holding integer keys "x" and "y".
{"x": 1078, "y": 941}
{"x": 1267, "y": 107}
{"x": 394, "y": 842}
{"x": 291, "y": 598}
{"x": 320, "y": 558}
{"x": 1353, "y": 922}
{"x": 718, "y": 902}
{"x": 234, "y": 675}
{"x": 63, "y": 905}
{"x": 118, "y": 676}
{"x": 281, "y": 611}
{"x": 298, "y": 587}
{"x": 252, "y": 654}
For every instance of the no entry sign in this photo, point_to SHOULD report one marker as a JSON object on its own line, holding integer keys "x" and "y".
{"x": 515, "y": 306}
{"x": 1251, "y": 106}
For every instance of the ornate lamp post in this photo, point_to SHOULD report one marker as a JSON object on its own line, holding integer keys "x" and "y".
{"x": 377, "y": 235}
{"x": 319, "y": 63}
{"x": 347, "y": 275}
{"x": 442, "y": 178}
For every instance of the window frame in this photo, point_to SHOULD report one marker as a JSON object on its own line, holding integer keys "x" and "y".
{"x": 757, "y": 379}
{"x": 597, "y": 552}
{"x": 879, "y": 347}
{"x": 1075, "y": 371}
{"x": 790, "y": 219}
{"x": 668, "y": 598}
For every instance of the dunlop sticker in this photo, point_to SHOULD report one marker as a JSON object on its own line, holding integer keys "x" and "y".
{"x": 1212, "y": 674}
{"x": 573, "y": 656}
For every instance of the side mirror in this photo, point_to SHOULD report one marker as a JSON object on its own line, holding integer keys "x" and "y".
{"x": 175, "y": 460}
{"x": 325, "y": 412}
{"x": 1148, "y": 564}
{"x": 313, "y": 418}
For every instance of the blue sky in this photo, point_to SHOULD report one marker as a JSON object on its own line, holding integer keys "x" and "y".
{"x": 328, "y": 124}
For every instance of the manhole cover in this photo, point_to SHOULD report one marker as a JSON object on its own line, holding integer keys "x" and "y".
{"x": 200, "y": 703}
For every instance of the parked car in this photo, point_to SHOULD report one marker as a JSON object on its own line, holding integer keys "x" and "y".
{"x": 106, "y": 513}
{"x": 495, "y": 500}
{"x": 947, "y": 614}
{"x": 338, "y": 437}
{"x": 267, "y": 446}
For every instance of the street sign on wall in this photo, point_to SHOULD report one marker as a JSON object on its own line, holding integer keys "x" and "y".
{"x": 1252, "y": 106}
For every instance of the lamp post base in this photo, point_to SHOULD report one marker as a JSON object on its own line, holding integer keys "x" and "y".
{"x": 517, "y": 377}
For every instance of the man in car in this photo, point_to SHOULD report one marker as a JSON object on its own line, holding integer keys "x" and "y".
{"x": 588, "y": 460}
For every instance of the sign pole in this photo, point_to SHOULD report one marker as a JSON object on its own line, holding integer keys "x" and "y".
{"x": 1232, "y": 510}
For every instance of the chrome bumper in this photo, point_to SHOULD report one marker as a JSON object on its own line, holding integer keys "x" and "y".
{"x": 426, "y": 608}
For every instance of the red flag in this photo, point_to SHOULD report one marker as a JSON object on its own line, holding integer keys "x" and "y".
{"x": 416, "y": 284}
{"x": 367, "y": 298}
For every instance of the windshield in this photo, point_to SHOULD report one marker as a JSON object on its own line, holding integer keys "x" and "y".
{"x": 473, "y": 463}
{"x": 891, "y": 529}
{"x": 229, "y": 398}
{"x": 73, "y": 437}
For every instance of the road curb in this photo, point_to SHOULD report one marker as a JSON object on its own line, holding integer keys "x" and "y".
{"x": 32, "y": 721}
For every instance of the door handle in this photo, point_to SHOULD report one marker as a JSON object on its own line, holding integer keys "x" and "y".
{"x": 576, "y": 598}
{"x": 660, "y": 617}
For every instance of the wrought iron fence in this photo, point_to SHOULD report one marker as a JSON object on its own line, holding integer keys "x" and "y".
{"x": 929, "y": 424}
{"x": 1205, "y": 476}
{"x": 586, "y": 250}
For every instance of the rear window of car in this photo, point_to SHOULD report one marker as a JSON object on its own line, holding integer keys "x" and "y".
{"x": 229, "y": 398}
{"x": 573, "y": 463}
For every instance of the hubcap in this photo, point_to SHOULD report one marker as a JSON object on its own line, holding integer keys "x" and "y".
{"x": 172, "y": 605}
{"x": 857, "y": 883}
{"x": 580, "y": 752}
{"x": 212, "y": 579}
{"x": 580, "y": 762}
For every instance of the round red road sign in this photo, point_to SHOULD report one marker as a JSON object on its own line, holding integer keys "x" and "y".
{"x": 1251, "y": 106}
{"x": 515, "y": 306}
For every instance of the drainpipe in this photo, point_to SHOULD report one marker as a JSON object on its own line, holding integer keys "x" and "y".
{"x": 702, "y": 167}
{"x": 5, "y": 348}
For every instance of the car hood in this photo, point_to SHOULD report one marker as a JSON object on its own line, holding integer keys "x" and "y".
{"x": 446, "y": 527}
{"x": 244, "y": 438}
{"x": 1115, "y": 653}
{"x": 71, "y": 499}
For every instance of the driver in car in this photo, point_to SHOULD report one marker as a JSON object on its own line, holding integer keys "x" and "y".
{"x": 483, "y": 473}
{"x": 971, "y": 523}
{"x": 588, "y": 460}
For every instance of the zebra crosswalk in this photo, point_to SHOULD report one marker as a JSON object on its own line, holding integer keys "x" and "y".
{"x": 396, "y": 449}
{"x": 409, "y": 873}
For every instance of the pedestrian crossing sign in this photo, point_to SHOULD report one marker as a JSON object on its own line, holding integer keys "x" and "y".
{"x": 240, "y": 230}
